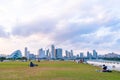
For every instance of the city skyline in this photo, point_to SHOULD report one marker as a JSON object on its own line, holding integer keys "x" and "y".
{"x": 54, "y": 53}
{"x": 51, "y": 54}
{"x": 80, "y": 25}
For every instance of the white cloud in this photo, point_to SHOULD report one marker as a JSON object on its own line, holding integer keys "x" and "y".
{"x": 85, "y": 23}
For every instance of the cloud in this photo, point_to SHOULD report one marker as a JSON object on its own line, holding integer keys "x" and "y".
{"x": 82, "y": 23}
{"x": 99, "y": 34}
{"x": 45, "y": 26}
{"x": 3, "y": 33}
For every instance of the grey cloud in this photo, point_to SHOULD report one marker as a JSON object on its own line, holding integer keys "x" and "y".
{"x": 45, "y": 26}
{"x": 85, "y": 36}
{"x": 113, "y": 22}
{"x": 73, "y": 30}
{"x": 3, "y": 34}
{"x": 76, "y": 29}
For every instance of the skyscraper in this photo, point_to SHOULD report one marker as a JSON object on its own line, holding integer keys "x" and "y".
{"x": 53, "y": 54}
{"x": 89, "y": 56}
{"x": 94, "y": 54}
{"x": 47, "y": 53}
{"x": 81, "y": 55}
{"x": 41, "y": 53}
{"x": 59, "y": 53}
{"x": 27, "y": 53}
{"x": 67, "y": 54}
{"x": 71, "y": 53}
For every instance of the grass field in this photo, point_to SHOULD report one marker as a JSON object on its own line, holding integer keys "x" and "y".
{"x": 53, "y": 70}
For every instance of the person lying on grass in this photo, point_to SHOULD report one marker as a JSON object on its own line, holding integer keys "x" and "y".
{"x": 32, "y": 64}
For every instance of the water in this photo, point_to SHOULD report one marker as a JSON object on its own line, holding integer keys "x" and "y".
{"x": 112, "y": 65}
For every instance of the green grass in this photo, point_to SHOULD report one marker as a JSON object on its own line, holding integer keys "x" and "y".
{"x": 53, "y": 70}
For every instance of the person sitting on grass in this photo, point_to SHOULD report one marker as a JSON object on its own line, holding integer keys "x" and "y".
{"x": 32, "y": 64}
{"x": 105, "y": 69}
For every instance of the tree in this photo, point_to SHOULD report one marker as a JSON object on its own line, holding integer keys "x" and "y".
{"x": 2, "y": 59}
{"x": 24, "y": 58}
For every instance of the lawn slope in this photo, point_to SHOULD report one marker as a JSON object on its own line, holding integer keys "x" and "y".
{"x": 53, "y": 70}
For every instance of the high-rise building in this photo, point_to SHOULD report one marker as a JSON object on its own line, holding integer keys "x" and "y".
{"x": 27, "y": 53}
{"x": 53, "y": 54}
{"x": 89, "y": 56}
{"x": 81, "y": 55}
{"x": 71, "y": 53}
{"x": 47, "y": 53}
{"x": 94, "y": 54}
{"x": 41, "y": 53}
{"x": 67, "y": 54}
{"x": 59, "y": 53}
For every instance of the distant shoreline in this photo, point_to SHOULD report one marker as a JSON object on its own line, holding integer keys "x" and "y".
{"x": 113, "y": 65}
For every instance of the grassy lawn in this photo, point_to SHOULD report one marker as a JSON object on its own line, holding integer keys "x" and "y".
{"x": 53, "y": 70}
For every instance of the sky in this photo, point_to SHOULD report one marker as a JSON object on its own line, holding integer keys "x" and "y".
{"x": 80, "y": 25}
